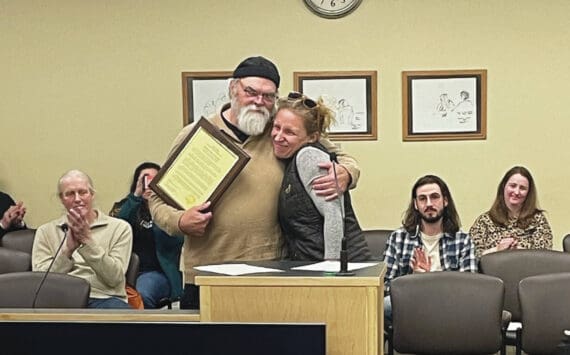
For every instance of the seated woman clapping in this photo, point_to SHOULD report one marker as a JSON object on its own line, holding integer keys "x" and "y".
{"x": 514, "y": 221}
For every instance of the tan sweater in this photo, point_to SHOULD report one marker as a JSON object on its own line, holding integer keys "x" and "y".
{"x": 244, "y": 224}
{"x": 103, "y": 262}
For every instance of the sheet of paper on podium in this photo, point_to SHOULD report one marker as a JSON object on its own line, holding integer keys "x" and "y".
{"x": 235, "y": 269}
{"x": 201, "y": 169}
{"x": 332, "y": 266}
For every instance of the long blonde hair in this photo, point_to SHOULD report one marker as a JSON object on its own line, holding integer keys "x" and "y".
{"x": 317, "y": 117}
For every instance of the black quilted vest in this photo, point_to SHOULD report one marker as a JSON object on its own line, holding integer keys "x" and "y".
{"x": 303, "y": 225}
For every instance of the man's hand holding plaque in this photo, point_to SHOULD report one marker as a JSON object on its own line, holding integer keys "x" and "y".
{"x": 195, "y": 220}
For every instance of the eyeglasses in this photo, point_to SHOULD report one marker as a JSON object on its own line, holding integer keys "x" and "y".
{"x": 268, "y": 97}
{"x": 308, "y": 103}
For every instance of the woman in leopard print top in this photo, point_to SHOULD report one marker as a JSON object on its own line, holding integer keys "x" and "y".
{"x": 514, "y": 221}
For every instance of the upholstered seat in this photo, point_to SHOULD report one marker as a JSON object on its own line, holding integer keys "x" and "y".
{"x": 447, "y": 313}
{"x": 512, "y": 266}
{"x": 545, "y": 306}
{"x": 14, "y": 261}
{"x": 377, "y": 239}
{"x": 58, "y": 291}
{"x": 22, "y": 240}
{"x": 566, "y": 243}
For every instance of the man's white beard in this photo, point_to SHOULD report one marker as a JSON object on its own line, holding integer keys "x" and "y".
{"x": 252, "y": 121}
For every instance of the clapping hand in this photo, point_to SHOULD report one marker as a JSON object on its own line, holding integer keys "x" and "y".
{"x": 14, "y": 216}
{"x": 507, "y": 243}
{"x": 420, "y": 261}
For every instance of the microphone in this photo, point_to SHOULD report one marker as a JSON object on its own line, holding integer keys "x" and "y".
{"x": 343, "y": 244}
{"x": 334, "y": 159}
{"x": 344, "y": 260}
{"x": 64, "y": 227}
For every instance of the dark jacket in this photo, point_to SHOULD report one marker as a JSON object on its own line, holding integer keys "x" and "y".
{"x": 303, "y": 225}
{"x": 156, "y": 249}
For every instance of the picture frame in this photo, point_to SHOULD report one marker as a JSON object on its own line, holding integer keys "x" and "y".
{"x": 182, "y": 183}
{"x": 444, "y": 105}
{"x": 203, "y": 93}
{"x": 352, "y": 95}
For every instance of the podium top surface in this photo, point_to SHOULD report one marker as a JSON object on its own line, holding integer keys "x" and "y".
{"x": 369, "y": 276}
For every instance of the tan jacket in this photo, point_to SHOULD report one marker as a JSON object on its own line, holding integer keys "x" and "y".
{"x": 244, "y": 224}
{"x": 103, "y": 262}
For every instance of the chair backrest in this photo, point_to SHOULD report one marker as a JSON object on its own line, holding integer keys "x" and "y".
{"x": 132, "y": 270}
{"x": 512, "y": 266}
{"x": 377, "y": 239}
{"x": 22, "y": 240}
{"x": 447, "y": 313}
{"x": 58, "y": 290}
{"x": 545, "y": 304}
{"x": 566, "y": 243}
{"x": 14, "y": 261}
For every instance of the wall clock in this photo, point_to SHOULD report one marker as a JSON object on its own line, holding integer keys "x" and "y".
{"x": 332, "y": 8}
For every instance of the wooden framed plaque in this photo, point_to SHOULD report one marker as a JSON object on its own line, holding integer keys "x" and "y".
{"x": 200, "y": 169}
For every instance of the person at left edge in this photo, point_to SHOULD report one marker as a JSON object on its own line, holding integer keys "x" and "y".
{"x": 97, "y": 247}
{"x": 159, "y": 253}
{"x": 11, "y": 214}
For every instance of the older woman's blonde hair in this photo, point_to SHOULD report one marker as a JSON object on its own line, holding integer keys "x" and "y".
{"x": 316, "y": 119}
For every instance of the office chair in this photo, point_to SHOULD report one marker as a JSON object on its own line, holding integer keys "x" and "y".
{"x": 566, "y": 243}
{"x": 512, "y": 266}
{"x": 447, "y": 313}
{"x": 376, "y": 240}
{"x": 132, "y": 270}
{"x": 22, "y": 240}
{"x": 58, "y": 290}
{"x": 545, "y": 307}
{"x": 14, "y": 261}
{"x": 131, "y": 279}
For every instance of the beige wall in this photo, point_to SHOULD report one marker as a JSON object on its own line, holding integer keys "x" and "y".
{"x": 96, "y": 85}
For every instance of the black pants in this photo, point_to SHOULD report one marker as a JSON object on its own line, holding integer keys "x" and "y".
{"x": 191, "y": 297}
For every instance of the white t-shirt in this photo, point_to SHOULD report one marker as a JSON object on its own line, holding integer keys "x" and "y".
{"x": 431, "y": 247}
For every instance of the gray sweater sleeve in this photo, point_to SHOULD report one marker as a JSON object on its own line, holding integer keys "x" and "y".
{"x": 307, "y": 160}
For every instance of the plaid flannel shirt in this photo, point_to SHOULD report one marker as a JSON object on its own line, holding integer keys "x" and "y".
{"x": 456, "y": 252}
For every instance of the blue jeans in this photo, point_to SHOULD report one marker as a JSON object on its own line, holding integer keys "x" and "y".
{"x": 112, "y": 302}
{"x": 153, "y": 286}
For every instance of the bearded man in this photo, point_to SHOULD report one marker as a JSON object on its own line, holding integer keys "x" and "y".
{"x": 430, "y": 238}
{"x": 244, "y": 223}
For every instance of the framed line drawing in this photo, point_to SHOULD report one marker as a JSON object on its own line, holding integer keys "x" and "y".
{"x": 350, "y": 94}
{"x": 203, "y": 93}
{"x": 444, "y": 105}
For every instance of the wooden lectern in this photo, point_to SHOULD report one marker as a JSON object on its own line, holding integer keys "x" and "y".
{"x": 351, "y": 307}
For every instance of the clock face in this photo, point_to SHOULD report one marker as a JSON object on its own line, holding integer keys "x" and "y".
{"x": 332, "y": 8}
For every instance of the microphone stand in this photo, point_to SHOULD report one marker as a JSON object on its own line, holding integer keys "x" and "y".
{"x": 343, "y": 245}
{"x": 344, "y": 260}
{"x": 64, "y": 228}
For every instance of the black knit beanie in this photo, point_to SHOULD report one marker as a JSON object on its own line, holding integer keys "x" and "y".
{"x": 258, "y": 66}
